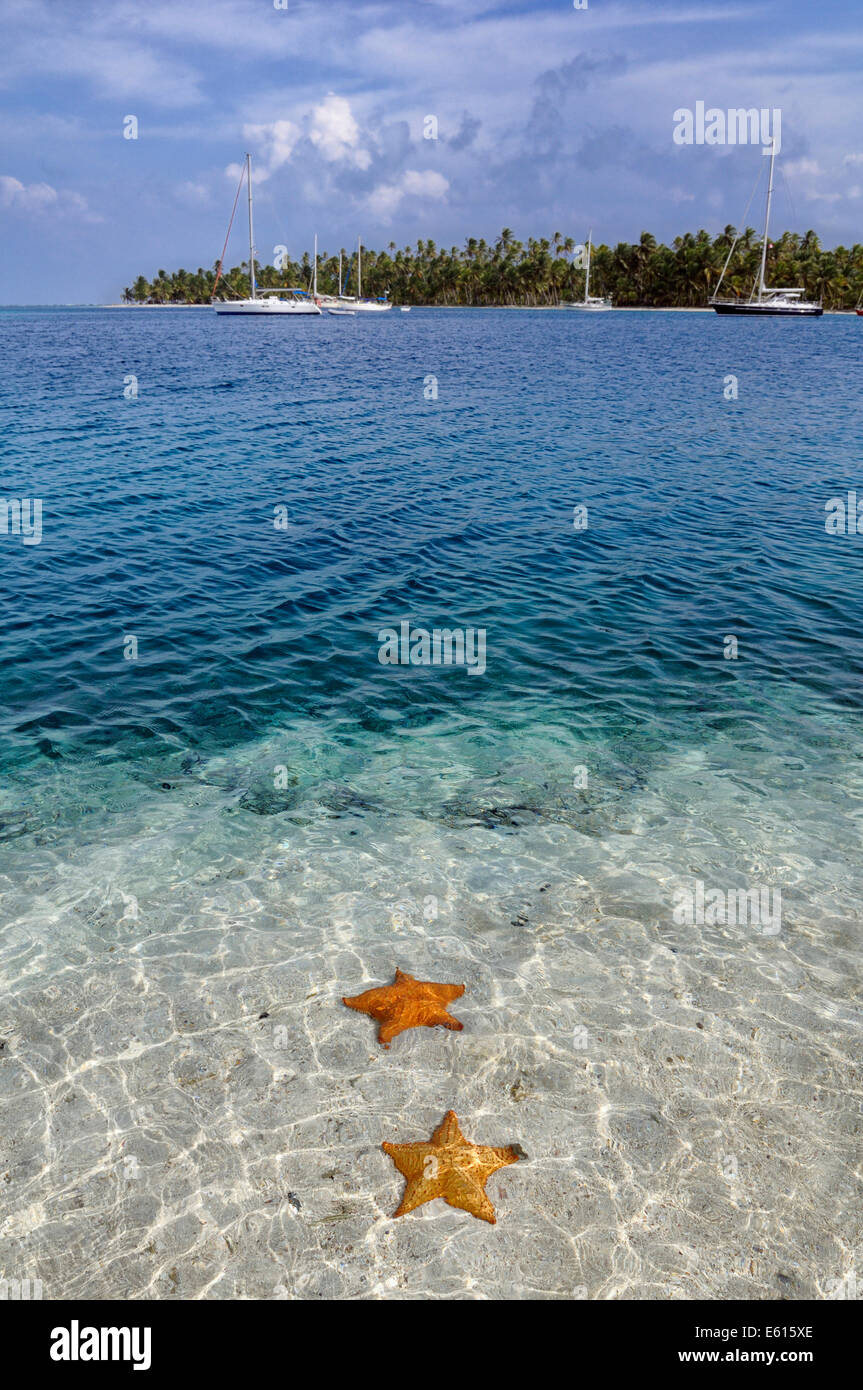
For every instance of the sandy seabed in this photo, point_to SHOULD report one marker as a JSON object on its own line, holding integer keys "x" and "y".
{"x": 190, "y": 1112}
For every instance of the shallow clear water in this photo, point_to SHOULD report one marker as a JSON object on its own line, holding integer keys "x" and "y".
{"x": 255, "y": 816}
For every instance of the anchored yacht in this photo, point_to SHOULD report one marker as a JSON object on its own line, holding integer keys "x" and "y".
{"x": 592, "y": 304}
{"x": 765, "y": 299}
{"x": 268, "y": 303}
{"x": 354, "y": 304}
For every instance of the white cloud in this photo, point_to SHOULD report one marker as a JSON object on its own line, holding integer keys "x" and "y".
{"x": 803, "y": 166}
{"x": 336, "y": 134}
{"x": 111, "y": 62}
{"x": 428, "y": 184}
{"x": 34, "y": 197}
{"x": 414, "y": 183}
{"x": 278, "y": 139}
{"x": 330, "y": 126}
{"x": 39, "y": 197}
{"x": 194, "y": 194}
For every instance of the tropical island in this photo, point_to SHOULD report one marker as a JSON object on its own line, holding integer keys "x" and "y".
{"x": 546, "y": 272}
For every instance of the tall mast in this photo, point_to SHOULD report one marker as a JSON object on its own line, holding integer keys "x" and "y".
{"x": 251, "y": 230}
{"x": 761, "y": 286}
{"x": 340, "y": 275}
{"x": 359, "y": 267}
{"x": 587, "y": 274}
{"x": 315, "y": 277}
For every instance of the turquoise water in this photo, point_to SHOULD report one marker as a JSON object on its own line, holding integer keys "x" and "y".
{"x": 254, "y": 815}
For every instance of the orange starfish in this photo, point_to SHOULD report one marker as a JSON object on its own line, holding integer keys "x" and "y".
{"x": 407, "y": 1003}
{"x": 449, "y": 1166}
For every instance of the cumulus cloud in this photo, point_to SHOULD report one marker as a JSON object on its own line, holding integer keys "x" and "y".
{"x": 425, "y": 184}
{"x": 276, "y": 140}
{"x": 38, "y": 197}
{"x": 330, "y": 128}
{"x": 335, "y": 133}
{"x": 34, "y": 197}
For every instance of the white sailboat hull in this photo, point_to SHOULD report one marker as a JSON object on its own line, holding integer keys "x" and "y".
{"x": 365, "y": 306}
{"x": 595, "y": 307}
{"x": 270, "y": 308}
{"x": 345, "y": 304}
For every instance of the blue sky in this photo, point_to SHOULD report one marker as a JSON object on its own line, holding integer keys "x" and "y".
{"x": 549, "y": 119}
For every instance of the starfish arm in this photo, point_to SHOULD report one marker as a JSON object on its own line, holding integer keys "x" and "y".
{"x": 448, "y": 1131}
{"x": 492, "y": 1159}
{"x": 461, "y": 1191}
{"x": 423, "y": 1184}
{"x": 451, "y": 992}
{"x": 388, "y": 1031}
{"x": 369, "y": 1002}
{"x": 416, "y": 1194}
{"x": 447, "y": 1021}
{"x": 408, "y": 1158}
{"x": 425, "y": 1014}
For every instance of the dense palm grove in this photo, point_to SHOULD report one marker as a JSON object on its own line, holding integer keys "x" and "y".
{"x": 547, "y": 272}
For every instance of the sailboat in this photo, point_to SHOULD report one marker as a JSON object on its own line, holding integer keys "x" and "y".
{"x": 764, "y": 299}
{"x": 334, "y": 303}
{"x": 593, "y": 304}
{"x": 357, "y": 303}
{"x": 267, "y": 303}
{"x": 347, "y": 305}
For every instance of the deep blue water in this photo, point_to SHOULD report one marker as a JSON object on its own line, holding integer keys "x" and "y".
{"x": 705, "y": 518}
